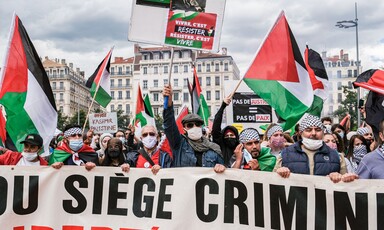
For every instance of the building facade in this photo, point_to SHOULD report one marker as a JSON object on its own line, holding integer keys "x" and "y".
{"x": 68, "y": 86}
{"x": 150, "y": 68}
{"x": 341, "y": 72}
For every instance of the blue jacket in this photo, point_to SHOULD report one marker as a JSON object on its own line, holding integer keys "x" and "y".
{"x": 183, "y": 153}
{"x": 326, "y": 160}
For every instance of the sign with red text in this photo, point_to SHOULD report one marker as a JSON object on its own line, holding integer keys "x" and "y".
{"x": 103, "y": 122}
{"x": 105, "y": 198}
{"x": 250, "y": 108}
{"x": 194, "y": 24}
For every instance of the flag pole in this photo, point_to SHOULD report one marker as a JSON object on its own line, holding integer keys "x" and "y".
{"x": 237, "y": 86}
{"x": 169, "y": 78}
{"x": 90, "y": 107}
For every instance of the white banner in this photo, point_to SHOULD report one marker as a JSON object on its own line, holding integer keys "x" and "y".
{"x": 42, "y": 198}
{"x": 103, "y": 122}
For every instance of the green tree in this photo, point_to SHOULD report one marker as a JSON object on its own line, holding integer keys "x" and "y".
{"x": 159, "y": 122}
{"x": 62, "y": 120}
{"x": 75, "y": 119}
{"x": 122, "y": 119}
{"x": 348, "y": 106}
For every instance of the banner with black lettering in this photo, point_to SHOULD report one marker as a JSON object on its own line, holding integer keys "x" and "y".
{"x": 42, "y": 198}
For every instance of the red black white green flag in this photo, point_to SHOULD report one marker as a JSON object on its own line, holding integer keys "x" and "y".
{"x": 199, "y": 105}
{"x": 279, "y": 76}
{"x": 26, "y": 93}
{"x": 99, "y": 82}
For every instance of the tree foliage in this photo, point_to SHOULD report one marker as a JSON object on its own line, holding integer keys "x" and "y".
{"x": 348, "y": 106}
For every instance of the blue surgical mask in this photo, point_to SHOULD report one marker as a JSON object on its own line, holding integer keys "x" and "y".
{"x": 341, "y": 134}
{"x": 75, "y": 145}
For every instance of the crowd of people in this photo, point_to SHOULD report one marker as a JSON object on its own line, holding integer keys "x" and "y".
{"x": 318, "y": 147}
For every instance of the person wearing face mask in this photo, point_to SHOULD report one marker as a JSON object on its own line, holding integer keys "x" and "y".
{"x": 357, "y": 149}
{"x": 327, "y": 122}
{"x": 114, "y": 155}
{"x": 366, "y": 132}
{"x": 250, "y": 155}
{"x": 121, "y": 135}
{"x": 190, "y": 149}
{"x": 311, "y": 156}
{"x": 150, "y": 155}
{"x": 339, "y": 129}
{"x": 104, "y": 138}
{"x": 73, "y": 151}
{"x": 227, "y": 138}
{"x": 29, "y": 157}
{"x": 276, "y": 140}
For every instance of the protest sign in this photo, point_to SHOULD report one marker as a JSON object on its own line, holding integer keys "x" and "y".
{"x": 103, "y": 122}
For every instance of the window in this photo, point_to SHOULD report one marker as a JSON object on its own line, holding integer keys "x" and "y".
{"x": 175, "y": 69}
{"x": 165, "y": 69}
{"x": 128, "y": 70}
{"x": 145, "y": 84}
{"x": 112, "y": 108}
{"x": 120, "y": 70}
{"x": 217, "y": 67}
{"x": 112, "y": 82}
{"x": 349, "y": 73}
{"x": 53, "y": 85}
{"x": 339, "y": 74}
{"x": 185, "y": 84}
{"x": 61, "y": 96}
{"x": 61, "y": 85}
{"x": 217, "y": 95}
{"x": 127, "y": 82}
{"x": 208, "y": 67}
{"x": 155, "y": 97}
{"x": 166, "y": 55}
{"x": 120, "y": 107}
{"x": 338, "y": 85}
{"x": 166, "y": 81}
{"x": 226, "y": 78}
{"x": 145, "y": 57}
{"x": 225, "y": 66}
{"x": 199, "y": 68}
{"x": 155, "y": 70}
{"x": 208, "y": 94}
{"x": 156, "y": 56}
{"x": 185, "y": 69}
{"x": 175, "y": 82}
{"x": 176, "y": 96}
{"x": 120, "y": 83}
{"x": 127, "y": 94}
{"x": 217, "y": 80}
{"x": 61, "y": 108}
{"x": 199, "y": 80}
{"x": 145, "y": 70}
{"x": 339, "y": 97}
{"x": 120, "y": 95}
{"x": 127, "y": 108}
{"x": 185, "y": 97}
{"x": 355, "y": 73}
{"x": 208, "y": 81}
{"x": 156, "y": 111}
{"x": 113, "y": 94}
{"x": 155, "y": 83}
{"x": 350, "y": 85}
{"x": 112, "y": 70}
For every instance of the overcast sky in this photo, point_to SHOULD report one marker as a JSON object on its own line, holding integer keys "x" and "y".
{"x": 82, "y": 31}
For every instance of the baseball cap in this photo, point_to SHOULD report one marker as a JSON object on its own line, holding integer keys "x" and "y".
{"x": 33, "y": 139}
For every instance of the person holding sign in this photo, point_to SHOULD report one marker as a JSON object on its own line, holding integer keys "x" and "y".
{"x": 312, "y": 156}
{"x": 73, "y": 151}
{"x": 190, "y": 149}
{"x": 249, "y": 155}
{"x": 150, "y": 155}
{"x": 29, "y": 157}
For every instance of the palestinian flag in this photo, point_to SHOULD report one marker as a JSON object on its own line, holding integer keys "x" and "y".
{"x": 278, "y": 74}
{"x": 372, "y": 79}
{"x": 319, "y": 80}
{"x": 199, "y": 105}
{"x": 99, "y": 82}
{"x": 184, "y": 112}
{"x": 25, "y": 91}
{"x": 144, "y": 112}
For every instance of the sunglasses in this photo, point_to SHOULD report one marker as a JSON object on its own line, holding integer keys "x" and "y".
{"x": 76, "y": 135}
{"x": 150, "y": 134}
{"x": 190, "y": 125}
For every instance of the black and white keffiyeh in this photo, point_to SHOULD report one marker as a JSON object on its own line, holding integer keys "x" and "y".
{"x": 248, "y": 135}
{"x": 274, "y": 129}
{"x": 362, "y": 130}
{"x": 310, "y": 121}
{"x": 71, "y": 131}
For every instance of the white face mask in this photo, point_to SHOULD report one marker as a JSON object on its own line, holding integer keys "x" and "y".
{"x": 149, "y": 141}
{"x": 312, "y": 144}
{"x": 195, "y": 133}
{"x": 29, "y": 156}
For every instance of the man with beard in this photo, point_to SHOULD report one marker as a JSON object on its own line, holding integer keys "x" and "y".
{"x": 250, "y": 155}
{"x": 149, "y": 155}
{"x": 190, "y": 149}
{"x": 312, "y": 156}
{"x": 228, "y": 138}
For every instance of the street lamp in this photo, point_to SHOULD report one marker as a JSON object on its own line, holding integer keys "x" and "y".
{"x": 348, "y": 24}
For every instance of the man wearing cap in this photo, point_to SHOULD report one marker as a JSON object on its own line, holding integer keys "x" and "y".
{"x": 311, "y": 156}
{"x": 250, "y": 155}
{"x": 29, "y": 157}
{"x": 73, "y": 151}
{"x": 190, "y": 149}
